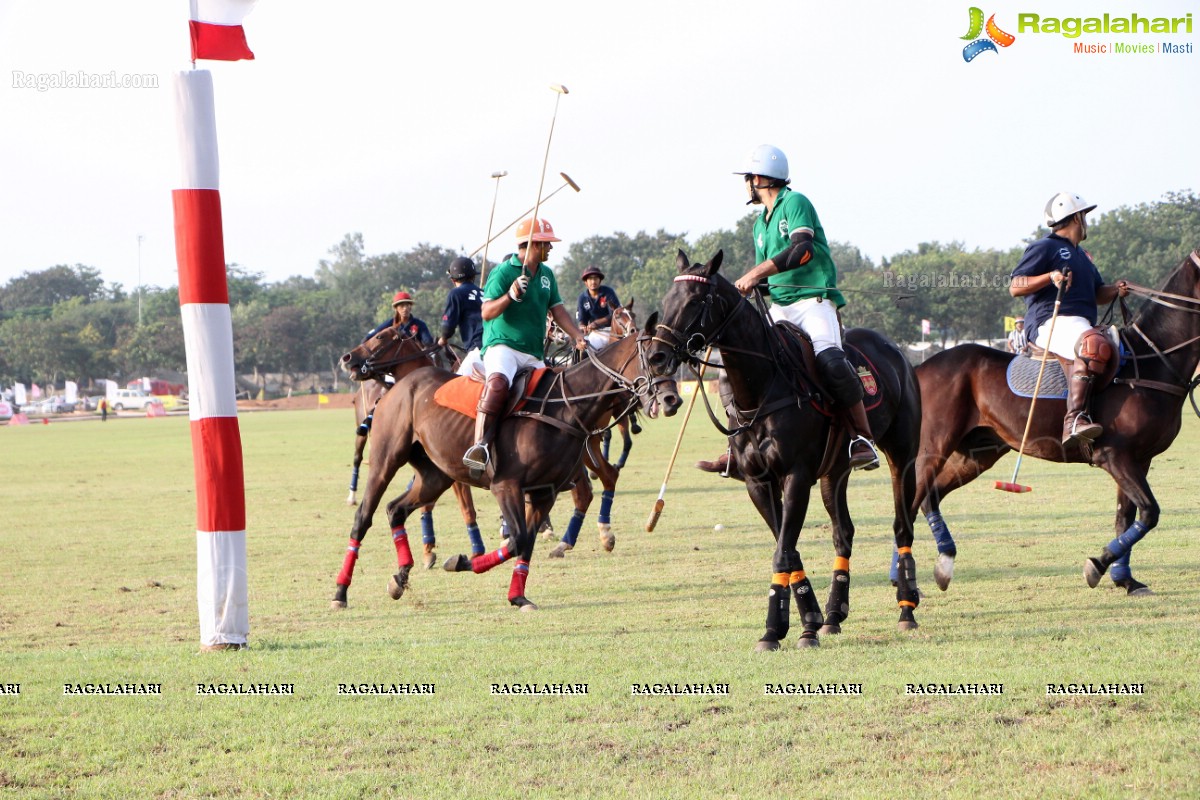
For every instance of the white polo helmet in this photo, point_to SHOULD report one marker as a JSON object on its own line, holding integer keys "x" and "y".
{"x": 1063, "y": 205}
{"x": 768, "y": 161}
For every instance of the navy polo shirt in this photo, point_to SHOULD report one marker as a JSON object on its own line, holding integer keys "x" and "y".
{"x": 464, "y": 311}
{"x": 589, "y": 309}
{"x": 1056, "y": 253}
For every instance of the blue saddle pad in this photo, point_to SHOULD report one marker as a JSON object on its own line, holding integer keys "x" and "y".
{"x": 1022, "y": 378}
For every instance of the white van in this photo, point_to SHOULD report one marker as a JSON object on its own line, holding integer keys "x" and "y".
{"x": 130, "y": 398}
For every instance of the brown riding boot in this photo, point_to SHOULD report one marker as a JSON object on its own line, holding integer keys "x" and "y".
{"x": 487, "y": 414}
{"x": 862, "y": 448}
{"x": 724, "y": 465}
{"x": 1078, "y": 424}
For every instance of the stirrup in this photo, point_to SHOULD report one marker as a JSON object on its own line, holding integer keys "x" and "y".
{"x": 863, "y": 463}
{"x": 477, "y": 458}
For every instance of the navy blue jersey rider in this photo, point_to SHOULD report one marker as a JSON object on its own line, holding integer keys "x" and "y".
{"x": 1082, "y": 348}
{"x": 595, "y": 308}
{"x": 463, "y": 313}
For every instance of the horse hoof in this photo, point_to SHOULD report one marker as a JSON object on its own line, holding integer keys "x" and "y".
{"x": 805, "y": 642}
{"x": 430, "y": 559}
{"x": 765, "y": 646}
{"x": 351, "y": 500}
{"x": 1093, "y": 571}
{"x": 337, "y": 605}
{"x": 607, "y": 540}
{"x": 1134, "y": 588}
{"x": 1143, "y": 591}
{"x": 398, "y": 583}
{"x": 560, "y": 550}
{"x": 943, "y": 571}
{"x": 829, "y": 629}
{"x": 458, "y": 563}
{"x": 524, "y": 603}
{"x": 549, "y": 534}
{"x": 907, "y": 625}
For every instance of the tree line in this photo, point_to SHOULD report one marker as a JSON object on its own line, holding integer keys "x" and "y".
{"x": 64, "y": 322}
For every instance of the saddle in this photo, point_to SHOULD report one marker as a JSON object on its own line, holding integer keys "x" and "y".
{"x": 1022, "y": 371}
{"x": 797, "y": 342}
{"x": 462, "y": 393}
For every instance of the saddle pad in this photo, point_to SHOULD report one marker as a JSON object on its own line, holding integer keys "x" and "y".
{"x": 462, "y": 393}
{"x": 1022, "y": 378}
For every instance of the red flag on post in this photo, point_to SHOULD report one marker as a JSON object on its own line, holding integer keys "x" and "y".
{"x": 216, "y": 27}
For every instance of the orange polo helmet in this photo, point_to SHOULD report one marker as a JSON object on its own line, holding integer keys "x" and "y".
{"x": 543, "y": 232}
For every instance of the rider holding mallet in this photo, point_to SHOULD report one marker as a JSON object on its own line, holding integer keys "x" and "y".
{"x": 1082, "y": 348}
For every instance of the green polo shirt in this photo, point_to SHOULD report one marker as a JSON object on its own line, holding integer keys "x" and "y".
{"x": 522, "y": 326}
{"x": 772, "y": 232}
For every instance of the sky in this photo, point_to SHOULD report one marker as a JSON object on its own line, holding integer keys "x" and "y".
{"x": 389, "y": 119}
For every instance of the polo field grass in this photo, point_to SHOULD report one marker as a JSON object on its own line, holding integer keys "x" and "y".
{"x": 98, "y": 558}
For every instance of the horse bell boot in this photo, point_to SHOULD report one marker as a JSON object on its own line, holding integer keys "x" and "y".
{"x": 487, "y": 414}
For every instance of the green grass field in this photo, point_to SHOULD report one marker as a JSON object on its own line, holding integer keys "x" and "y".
{"x": 97, "y": 554}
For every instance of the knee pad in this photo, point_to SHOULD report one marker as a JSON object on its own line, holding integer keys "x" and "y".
{"x": 495, "y": 393}
{"x": 1095, "y": 349}
{"x": 840, "y": 375}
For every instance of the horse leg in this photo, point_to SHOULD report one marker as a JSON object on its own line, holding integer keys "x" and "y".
{"x": 1120, "y": 573}
{"x": 1131, "y": 479}
{"x": 608, "y": 475}
{"x": 383, "y": 469}
{"x": 581, "y": 493}
{"x": 427, "y": 486}
{"x": 959, "y": 469}
{"x": 428, "y": 537}
{"x": 837, "y": 608}
{"x": 626, "y": 440}
{"x": 466, "y": 505}
{"x": 360, "y": 443}
{"x": 521, "y": 536}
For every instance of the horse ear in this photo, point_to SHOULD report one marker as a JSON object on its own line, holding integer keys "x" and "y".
{"x": 651, "y": 324}
{"x": 629, "y": 305}
{"x": 715, "y": 264}
{"x": 681, "y": 261}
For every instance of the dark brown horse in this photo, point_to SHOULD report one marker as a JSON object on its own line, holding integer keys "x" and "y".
{"x": 376, "y": 364}
{"x": 972, "y": 419}
{"x": 781, "y": 438}
{"x": 537, "y": 452}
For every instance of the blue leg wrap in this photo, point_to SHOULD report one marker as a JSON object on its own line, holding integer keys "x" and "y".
{"x": 605, "y": 440}
{"x": 1119, "y": 571}
{"x": 573, "y": 527}
{"x": 427, "y": 536}
{"x": 941, "y": 534}
{"x": 477, "y": 547}
{"x": 894, "y": 573}
{"x": 606, "y": 501}
{"x": 354, "y": 480}
{"x": 1132, "y": 535}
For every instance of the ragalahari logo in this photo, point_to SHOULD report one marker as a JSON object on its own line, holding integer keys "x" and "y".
{"x": 995, "y": 36}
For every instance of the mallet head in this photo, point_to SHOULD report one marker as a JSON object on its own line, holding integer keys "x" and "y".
{"x": 570, "y": 182}
{"x": 1015, "y": 488}
{"x": 500, "y": 173}
{"x": 558, "y": 87}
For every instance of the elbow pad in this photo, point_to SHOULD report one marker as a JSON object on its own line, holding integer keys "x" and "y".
{"x": 801, "y": 251}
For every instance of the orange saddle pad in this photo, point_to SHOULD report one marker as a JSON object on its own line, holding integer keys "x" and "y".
{"x": 462, "y": 393}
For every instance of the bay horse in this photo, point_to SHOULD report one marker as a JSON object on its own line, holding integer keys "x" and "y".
{"x": 537, "y": 452}
{"x": 972, "y": 419}
{"x": 783, "y": 441}
{"x": 375, "y": 365}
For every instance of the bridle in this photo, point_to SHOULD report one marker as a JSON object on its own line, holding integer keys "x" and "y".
{"x": 384, "y": 359}
{"x": 1182, "y": 386}
{"x": 684, "y": 345}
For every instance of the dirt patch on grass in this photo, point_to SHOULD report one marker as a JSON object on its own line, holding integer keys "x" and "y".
{"x": 297, "y": 402}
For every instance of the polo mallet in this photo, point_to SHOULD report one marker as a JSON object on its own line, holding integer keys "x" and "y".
{"x": 559, "y": 90}
{"x": 496, "y": 194}
{"x": 660, "y": 502}
{"x": 502, "y": 231}
{"x": 1013, "y": 486}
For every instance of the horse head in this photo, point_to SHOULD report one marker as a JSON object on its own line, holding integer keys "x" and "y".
{"x": 696, "y": 310}
{"x": 390, "y": 352}
{"x": 627, "y": 364}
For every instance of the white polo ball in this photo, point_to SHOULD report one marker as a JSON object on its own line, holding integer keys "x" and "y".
{"x": 718, "y": 527}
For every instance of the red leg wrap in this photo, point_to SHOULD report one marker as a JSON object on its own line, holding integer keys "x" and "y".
{"x": 347, "y": 574}
{"x": 516, "y": 588}
{"x": 488, "y": 560}
{"x": 403, "y": 554}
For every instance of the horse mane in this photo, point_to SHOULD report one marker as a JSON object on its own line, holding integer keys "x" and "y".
{"x": 1182, "y": 280}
